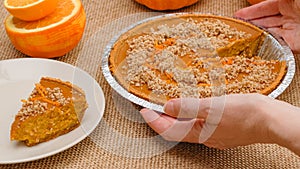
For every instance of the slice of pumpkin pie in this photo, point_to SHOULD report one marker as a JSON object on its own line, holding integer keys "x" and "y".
{"x": 53, "y": 108}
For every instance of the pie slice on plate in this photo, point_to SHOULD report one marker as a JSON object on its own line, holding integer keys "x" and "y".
{"x": 53, "y": 108}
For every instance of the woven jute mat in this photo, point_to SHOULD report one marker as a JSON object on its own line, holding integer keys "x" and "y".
{"x": 122, "y": 139}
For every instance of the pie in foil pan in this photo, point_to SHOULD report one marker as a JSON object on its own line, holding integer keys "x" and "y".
{"x": 195, "y": 55}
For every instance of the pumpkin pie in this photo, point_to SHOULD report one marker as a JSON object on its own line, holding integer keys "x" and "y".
{"x": 53, "y": 108}
{"x": 179, "y": 56}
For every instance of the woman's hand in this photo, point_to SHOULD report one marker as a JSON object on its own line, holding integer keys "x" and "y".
{"x": 279, "y": 16}
{"x": 228, "y": 121}
{"x": 219, "y": 122}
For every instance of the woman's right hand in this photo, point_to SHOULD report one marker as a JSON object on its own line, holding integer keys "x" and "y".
{"x": 228, "y": 121}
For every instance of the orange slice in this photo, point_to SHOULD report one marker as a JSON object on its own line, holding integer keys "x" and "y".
{"x": 30, "y": 10}
{"x": 51, "y": 36}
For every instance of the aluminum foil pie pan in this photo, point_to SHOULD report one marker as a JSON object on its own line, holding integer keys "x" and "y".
{"x": 273, "y": 47}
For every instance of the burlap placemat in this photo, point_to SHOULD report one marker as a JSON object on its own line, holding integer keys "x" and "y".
{"x": 122, "y": 139}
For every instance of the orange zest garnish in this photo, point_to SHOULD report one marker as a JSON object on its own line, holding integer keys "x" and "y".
{"x": 35, "y": 98}
{"x": 229, "y": 61}
{"x": 197, "y": 64}
{"x": 169, "y": 75}
{"x": 50, "y": 101}
{"x": 158, "y": 46}
{"x": 44, "y": 99}
{"x": 42, "y": 91}
{"x": 170, "y": 41}
{"x": 204, "y": 84}
{"x": 259, "y": 63}
{"x": 150, "y": 66}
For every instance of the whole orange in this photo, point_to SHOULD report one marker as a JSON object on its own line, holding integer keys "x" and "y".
{"x": 52, "y": 36}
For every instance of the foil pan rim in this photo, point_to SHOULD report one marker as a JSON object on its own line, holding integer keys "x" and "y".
{"x": 289, "y": 57}
{"x": 291, "y": 67}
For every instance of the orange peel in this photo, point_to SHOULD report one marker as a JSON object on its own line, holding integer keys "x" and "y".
{"x": 30, "y": 10}
{"x": 52, "y": 36}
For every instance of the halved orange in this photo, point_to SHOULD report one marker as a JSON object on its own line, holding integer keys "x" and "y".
{"x": 51, "y": 36}
{"x": 30, "y": 10}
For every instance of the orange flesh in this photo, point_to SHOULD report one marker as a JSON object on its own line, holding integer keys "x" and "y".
{"x": 19, "y": 3}
{"x": 65, "y": 8}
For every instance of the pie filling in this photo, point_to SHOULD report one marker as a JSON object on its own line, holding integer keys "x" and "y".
{"x": 194, "y": 58}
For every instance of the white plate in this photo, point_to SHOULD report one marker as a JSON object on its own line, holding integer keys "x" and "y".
{"x": 17, "y": 79}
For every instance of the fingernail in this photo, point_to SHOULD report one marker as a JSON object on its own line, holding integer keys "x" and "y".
{"x": 149, "y": 115}
{"x": 169, "y": 107}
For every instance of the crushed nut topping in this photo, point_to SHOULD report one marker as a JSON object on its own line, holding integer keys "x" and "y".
{"x": 40, "y": 99}
{"x": 173, "y": 60}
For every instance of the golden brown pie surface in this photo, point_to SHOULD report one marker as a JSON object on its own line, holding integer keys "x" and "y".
{"x": 53, "y": 108}
{"x": 190, "y": 55}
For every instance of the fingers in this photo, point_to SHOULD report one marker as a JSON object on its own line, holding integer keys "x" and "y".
{"x": 172, "y": 129}
{"x": 268, "y": 22}
{"x": 260, "y": 10}
{"x": 197, "y": 108}
{"x": 159, "y": 123}
{"x": 188, "y": 107}
{"x": 277, "y": 31}
{"x": 287, "y": 37}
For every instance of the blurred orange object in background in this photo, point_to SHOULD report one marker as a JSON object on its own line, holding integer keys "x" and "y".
{"x": 252, "y": 2}
{"x": 166, "y": 4}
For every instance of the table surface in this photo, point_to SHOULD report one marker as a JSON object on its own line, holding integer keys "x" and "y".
{"x": 122, "y": 139}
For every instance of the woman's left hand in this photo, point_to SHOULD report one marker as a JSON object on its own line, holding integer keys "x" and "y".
{"x": 279, "y": 16}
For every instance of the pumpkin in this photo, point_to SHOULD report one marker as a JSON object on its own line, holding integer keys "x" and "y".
{"x": 161, "y": 5}
{"x": 252, "y": 2}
